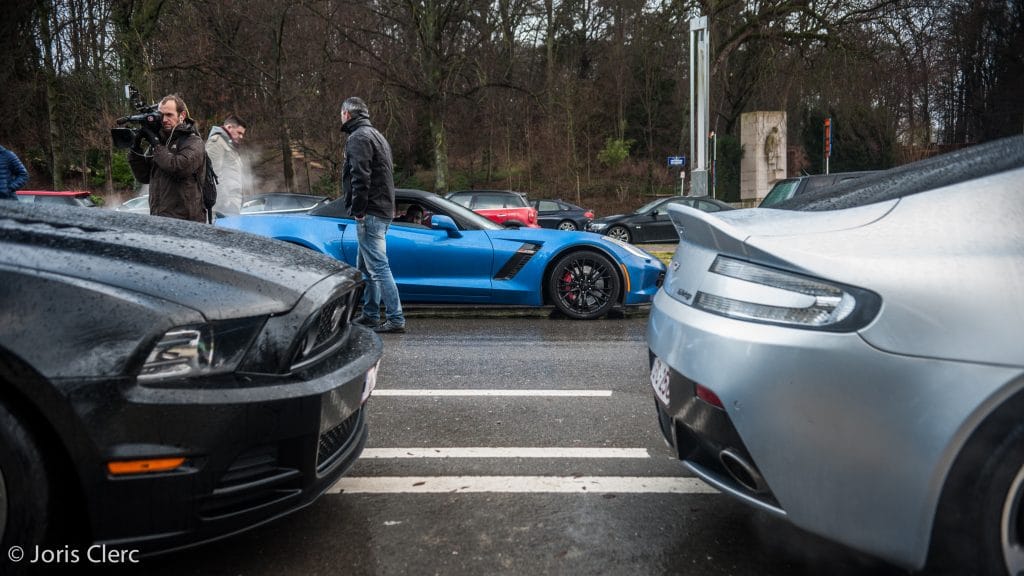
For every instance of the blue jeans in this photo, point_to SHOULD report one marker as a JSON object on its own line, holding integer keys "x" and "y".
{"x": 372, "y": 261}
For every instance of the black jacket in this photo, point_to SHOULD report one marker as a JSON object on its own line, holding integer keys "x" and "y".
{"x": 172, "y": 172}
{"x": 367, "y": 179}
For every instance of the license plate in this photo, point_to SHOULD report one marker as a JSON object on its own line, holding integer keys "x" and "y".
{"x": 371, "y": 382}
{"x": 660, "y": 377}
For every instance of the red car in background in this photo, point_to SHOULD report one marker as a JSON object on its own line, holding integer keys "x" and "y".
{"x": 502, "y": 206}
{"x": 62, "y": 197}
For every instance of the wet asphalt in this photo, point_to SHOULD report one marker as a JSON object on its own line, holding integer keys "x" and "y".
{"x": 516, "y": 533}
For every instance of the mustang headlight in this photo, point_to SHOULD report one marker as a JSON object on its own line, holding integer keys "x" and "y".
{"x": 775, "y": 296}
{"x": 200, "y": 349}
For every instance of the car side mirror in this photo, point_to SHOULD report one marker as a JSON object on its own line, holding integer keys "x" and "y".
{"x": 442, "y": 222}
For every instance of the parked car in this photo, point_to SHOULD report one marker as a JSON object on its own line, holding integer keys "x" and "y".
{"x": 562, "y": 215}
{"x": 164, "y": 383}
{"x": 861, "y": 374}
{"x": 650, "y": 222}
{"x": 62, "y": 197}
{"x": 137, "y": 205}
{"x": 451, "y": 254}
{"x": 278, "y": 202}
{"x": 799, "y": 185}
{"x": 501, "y": 206}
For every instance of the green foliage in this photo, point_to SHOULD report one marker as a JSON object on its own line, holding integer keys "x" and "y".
{"x": 862, "y": 139}
{"x": 727, "y": 168}
{"x": 97, "y": 199}
{"x": 121, "y": 171}
{"x": 327, "y": 185}
{"x": 615, "y": 152}
{"x": 458, "y": 180}
{"x": 411, "y": 179}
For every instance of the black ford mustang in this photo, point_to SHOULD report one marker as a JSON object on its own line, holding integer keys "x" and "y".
{"x": 165, "y": 383}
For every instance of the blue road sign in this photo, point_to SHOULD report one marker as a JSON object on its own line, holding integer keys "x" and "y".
{"x": 677, "y": 161}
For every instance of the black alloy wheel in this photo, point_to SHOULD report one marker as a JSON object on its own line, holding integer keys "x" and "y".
{"x": 979, "y": 528}
{"x": 25, "y": 489}
{"x": 568, "y": 225}
{"x": 584, "y": 285}
{"x": 620, "y": 233}
{"x": 1011, "y": 533}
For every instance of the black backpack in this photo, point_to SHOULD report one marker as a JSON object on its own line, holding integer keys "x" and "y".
{"x": 209, "y": 187}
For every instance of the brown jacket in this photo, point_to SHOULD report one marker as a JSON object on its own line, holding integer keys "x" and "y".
{"x": 172, "y": 170}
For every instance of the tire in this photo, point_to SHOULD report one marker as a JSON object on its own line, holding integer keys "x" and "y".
{"x": 620, "y": 233}
{"x": 982, "y": 531}
{"x": 568, "y": 225}
{"x": 25, "y": 504}
{"x": 584, "y": 285}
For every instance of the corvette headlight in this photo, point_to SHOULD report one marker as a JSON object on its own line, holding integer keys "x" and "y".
{"x": 639, "y": 253}
{"x": 200, "y": 349}
{"x": 775, "y": 296}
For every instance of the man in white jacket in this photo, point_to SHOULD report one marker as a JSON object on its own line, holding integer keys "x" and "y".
{"x": 222, "y": 148}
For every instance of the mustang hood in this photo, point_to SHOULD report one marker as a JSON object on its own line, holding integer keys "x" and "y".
{"x": 172, "y": 260}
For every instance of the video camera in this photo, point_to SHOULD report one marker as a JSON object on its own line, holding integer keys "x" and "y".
{"x": 148, "y": 115}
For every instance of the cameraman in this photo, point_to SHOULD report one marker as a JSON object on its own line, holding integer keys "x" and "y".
{"x": 174, "y": 164}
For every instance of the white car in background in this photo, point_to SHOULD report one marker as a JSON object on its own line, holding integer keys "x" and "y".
{"x": 854, "y": 363}
{"x": 137, "y": 205}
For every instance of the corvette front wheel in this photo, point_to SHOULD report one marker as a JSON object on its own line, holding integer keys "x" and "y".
{"x": 584, "y": 285}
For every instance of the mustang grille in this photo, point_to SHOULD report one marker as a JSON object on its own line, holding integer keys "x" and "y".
{"x": 333, "y": 441}
{"x": 256, "y": 478}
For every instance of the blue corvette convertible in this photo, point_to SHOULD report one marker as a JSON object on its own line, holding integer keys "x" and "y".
{"x": 441, "y": 252}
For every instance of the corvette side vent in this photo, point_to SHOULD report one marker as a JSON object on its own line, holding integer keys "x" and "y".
{"x": 517, "y": 261}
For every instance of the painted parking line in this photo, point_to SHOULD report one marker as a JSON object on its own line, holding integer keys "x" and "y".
{"x": 512, "y": 452}
{"x": 520, "y": 484}
{"x": 495, "y": 392}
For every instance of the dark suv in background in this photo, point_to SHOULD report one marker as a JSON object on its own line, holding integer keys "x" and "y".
{"x": 785, "y": 189}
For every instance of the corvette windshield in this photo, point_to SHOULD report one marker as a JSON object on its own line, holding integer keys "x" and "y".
{"x": 464, "y": 217}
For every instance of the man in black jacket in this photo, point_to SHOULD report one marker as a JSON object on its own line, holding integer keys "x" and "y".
{"x": 173, "y": 165}
{"x": 369, "y": 186}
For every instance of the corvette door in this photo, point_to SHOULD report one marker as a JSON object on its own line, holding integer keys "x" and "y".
{"x": 430, "y": 266}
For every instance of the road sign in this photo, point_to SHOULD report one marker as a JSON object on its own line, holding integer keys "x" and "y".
{"x": 828, "y": 137}
{"x": 678, "y": 161}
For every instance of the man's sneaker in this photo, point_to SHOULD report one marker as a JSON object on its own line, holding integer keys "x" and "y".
{"x": 389, "y": 327}
{"x": 367, "y": 321}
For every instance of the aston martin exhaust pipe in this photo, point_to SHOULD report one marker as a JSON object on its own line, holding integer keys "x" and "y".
{"x": 742, "y": 471}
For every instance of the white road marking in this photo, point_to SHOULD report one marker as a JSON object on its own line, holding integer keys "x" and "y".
{"x": 494, "y": 392}
{"x": 488, "y": 452}
{"x": 520, "y": 484}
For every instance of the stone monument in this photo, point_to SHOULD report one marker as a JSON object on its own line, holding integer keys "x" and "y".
{"x": 763, "y": 138}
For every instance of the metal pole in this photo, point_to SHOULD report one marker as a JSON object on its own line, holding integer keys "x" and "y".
{"x": 714, "y": 165}
{"x": 699, "y": 96}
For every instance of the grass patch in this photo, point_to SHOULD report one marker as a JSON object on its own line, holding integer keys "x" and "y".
{"x": 663, "y": 255}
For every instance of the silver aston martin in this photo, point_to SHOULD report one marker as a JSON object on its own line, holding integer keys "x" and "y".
{"x": 854, "y": 362}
